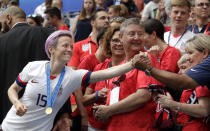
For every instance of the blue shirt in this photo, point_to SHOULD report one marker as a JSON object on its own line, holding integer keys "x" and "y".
{"x": 201, "y": 73}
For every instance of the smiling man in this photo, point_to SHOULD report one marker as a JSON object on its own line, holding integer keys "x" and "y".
{"x": 179, "y": 15}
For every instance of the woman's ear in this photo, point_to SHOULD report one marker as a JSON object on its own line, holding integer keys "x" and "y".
{"x": 51, "y": 50}
{"x": 205, "y": 53}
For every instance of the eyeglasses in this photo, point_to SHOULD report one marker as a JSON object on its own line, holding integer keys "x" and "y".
{"x": 115, "y": 40}
{"x": 202, "y": 4}
{"x": 117, "y": 19}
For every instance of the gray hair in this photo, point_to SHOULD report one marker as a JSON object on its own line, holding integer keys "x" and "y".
{"x": 130, "y": 21}
{"x": 200, "y": 42}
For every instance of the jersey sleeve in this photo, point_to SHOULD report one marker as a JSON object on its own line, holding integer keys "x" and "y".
{"x": 201, "y": 72}
{"x": 23, "y": 78}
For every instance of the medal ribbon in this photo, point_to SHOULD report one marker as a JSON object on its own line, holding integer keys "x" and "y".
{"x": 51, "y": 100}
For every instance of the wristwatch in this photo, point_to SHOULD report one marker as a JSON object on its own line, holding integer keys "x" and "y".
{"x": 148, "y": 71}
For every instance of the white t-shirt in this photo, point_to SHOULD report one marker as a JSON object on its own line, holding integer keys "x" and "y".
{"x": 178, "y": 42}
{"x": 35, "y": 97}
{"x": 150, "y": 10}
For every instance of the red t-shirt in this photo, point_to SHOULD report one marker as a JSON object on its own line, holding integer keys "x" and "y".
{"x": 88, "y": 63}
{"x": 96, "y": 87}
{"x": 168, "y": 59}
{"x": 64, "y": 27}
{"x": 81, "y": 49}
{"x": 196, "y": 124}
{"x": 137, "y": 120}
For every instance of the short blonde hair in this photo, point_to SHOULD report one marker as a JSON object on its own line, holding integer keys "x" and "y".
{"x": 200, "y": 42}
{"x": 182, "y": 3}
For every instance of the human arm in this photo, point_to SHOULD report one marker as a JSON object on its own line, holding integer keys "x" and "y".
{"x": 161, "y": 10}
{"x": 74, "y": 26}
{"x": 110, "y": 72}
{"x": 13, "y": 96}
{"x": 90, "y": 96}
{"x": 129, "y": 104}
{"x": 172, "y": 80}
{"x": 202, "y": 109}
{"x": 79, "y": 98}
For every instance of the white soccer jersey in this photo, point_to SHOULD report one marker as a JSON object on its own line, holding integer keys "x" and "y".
{"x": 178, "y": 42}
{"x": 35, "y": 97}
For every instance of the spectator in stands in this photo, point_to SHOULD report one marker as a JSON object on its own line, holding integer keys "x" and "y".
{"x": 116, "y": 21}
{"x": 195, "y": 76}
{"x": 117, "y": 11}
{"x": 20, "y": 45}
{"x": 166, "y": 55}
{"x": 34, "y": 20}
{"x": 202, "y": 11}
{"x": 129, "y": 104}
{"x": 150, "y": 10}
{"x": 194, "y": 105}
{"x": 163, "y": 13}
{"x": 100, "y": 4}
{"x": 13, "y": 3}
{"x": 88, "y": 63}
{"x": 192, "y": 18}
{"x": 96, "y": 93}
{"x": 89, "y": 46}
{"x": 81, "y": 27}
{"x": 131, "y": 6}
{"x": 179, "y": 15}
{"x": 54, "y": 18}
{"x": 41, "y": 8}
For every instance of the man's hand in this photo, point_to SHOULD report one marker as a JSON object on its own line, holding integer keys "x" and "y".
{"x": 141, "y": 61}
{"x": 20, "y": 108}
{"x": 101, "y": 112}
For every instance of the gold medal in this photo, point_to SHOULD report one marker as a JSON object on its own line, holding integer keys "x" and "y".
{"x": 48, "y": 110}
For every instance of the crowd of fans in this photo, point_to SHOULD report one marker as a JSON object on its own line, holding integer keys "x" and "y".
{"x": 165, "y": 40}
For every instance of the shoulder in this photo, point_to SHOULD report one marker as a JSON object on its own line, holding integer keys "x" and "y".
{"x": 80, "y": 43}
{"x": 101, "y": 66}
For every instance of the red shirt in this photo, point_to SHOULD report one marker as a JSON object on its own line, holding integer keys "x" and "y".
{"x": 88, "y": 63}
{"x": 140, "y": 119}
{"x": 81, "y": 49}
{"x": 196, "y": 124}
{"x": 64, "y": 27}
{"x": 168, "y": 59}
{"x": 96, "y": 87}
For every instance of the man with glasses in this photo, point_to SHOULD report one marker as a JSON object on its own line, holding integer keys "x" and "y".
{"x": 202, "y": 12}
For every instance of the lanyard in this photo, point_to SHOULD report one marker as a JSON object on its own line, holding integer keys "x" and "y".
{"x": 51, "y": 100}
{"x": 178, "y": 39}
{"x": 205, "y": 32}
{"x": 89, "y": 48}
